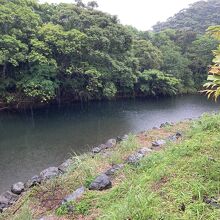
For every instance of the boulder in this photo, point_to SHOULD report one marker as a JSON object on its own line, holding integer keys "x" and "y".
{"x": 178, "y": 134}
{"x": 134, "y": 158}
{"x": 175, "y": 137}
{"x": 2, "y": 207}
{"x": 172, "y": 138}
{"x": 35, "y": 180}
{"x": 212, "y": 202}
{"x": 158, "y": 143}
{"x": 145, "y": 151}
{"x": 111, "y": 143}
{"x": 65, "y": 165}
{"x": 96, "y": 150}
{"x": 49, "y": 173}
{"x": 122, "y": 138}
{"x": 102, "y": 182}
{"x": 74, "y": 196}
{"x": 106, "y": 154}
{"x": 114, "y": 169}
{"x": 7, "y": 199}
{"x": 17, "y": 188}
{"x": 166, "y": 124}
{"x": 103, "y": 146}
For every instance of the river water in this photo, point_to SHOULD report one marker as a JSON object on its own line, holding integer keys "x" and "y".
{"x": 33, "y": 141}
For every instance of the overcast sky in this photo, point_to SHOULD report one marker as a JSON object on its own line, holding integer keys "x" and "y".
{"x": 141, "y": 14}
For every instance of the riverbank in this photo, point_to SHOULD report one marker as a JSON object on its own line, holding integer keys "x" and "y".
{"x": 167, "y": 173}
{"x": 21, "y": 105}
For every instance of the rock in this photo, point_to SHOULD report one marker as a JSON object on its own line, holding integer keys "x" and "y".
{"x": 212, "y": 159}
{"x": 114, "y": 169}
{"x": 7, "y": 199}
{"x": 163, "y": 125}
{"x": 101, "y": 182}
{"x": 110, "y": 143}
{"x": 17, "y": 188}
{"x": 123, "y": 138}
{"x": 2, "y": 206}
{"x": 35, "y": 180}
{"x": 134, "y": 158}
{"x": 74, "y": 196}
{"x": 119, "y": 139}
{"x": 102, "y": 146}
{"x": 96, "y": 150}
{"x": 65, "y": 165}
{"x": 212, "y": 201}
{"x": 178, "y": 135}
{"x": 107, "y": 154}
{"x": 166, "y": 124}
{"x": 49, "y": 173}
{"x": 144, "y": 150}
{"x": 172, "y": 138}
{"x": 158, "y": 143}
{"x": 175, "y": 137}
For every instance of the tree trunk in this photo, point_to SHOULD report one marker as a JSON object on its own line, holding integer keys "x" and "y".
{"x": 4, "y": 71}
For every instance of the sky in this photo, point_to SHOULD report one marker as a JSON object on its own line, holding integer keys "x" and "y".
{"x": 142, "y": 14}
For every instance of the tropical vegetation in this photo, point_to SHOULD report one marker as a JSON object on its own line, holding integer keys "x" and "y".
{"x": 212, "y": 88}
{"x": 198, "y": 17}
{"x": 67, "y": 52}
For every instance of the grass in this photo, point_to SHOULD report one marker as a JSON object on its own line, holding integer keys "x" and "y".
{"x": 169, "y": 184}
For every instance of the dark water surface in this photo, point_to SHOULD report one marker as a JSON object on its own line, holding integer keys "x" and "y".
{"x": 30, "y": 143}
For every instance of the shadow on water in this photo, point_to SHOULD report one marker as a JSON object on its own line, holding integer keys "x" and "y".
{"x": 32, "y": 141}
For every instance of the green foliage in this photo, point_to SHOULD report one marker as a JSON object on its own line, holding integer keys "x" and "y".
{"x": 149, "y": 56}
{"x": 109, "y": 90}
{"x": 154, "y": 82}
{"x": 25, "y": 214}
{"x": 65, "y": 51}
{"x": 198, "y": 17}
{"x": 88, "y": 181}
{"x": 200, "y": 55}
{"x": 83, "y": 207}
{"x": 39, "y": 88}
{"x": 208, "y": 123}
{"x": 212, "y": 88}
{"x": 62, "y": 210}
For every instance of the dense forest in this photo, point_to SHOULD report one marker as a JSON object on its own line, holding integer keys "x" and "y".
{"x": 198, "y": 17}
{"x": 67, "y": 52}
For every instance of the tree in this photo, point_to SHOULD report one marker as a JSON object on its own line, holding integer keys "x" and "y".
{"x": 177, "y": 65}
{"x": 149, "y": 56}
{"x": 154, "y": 82}
{"x": 212, "y": 88}
{"x": 79, "y": 3}
{"x": 198, "y": 17}
{"x": 200, "y": 56}
{"x": 63, "y": 51}
{"x": 92, "y": 4}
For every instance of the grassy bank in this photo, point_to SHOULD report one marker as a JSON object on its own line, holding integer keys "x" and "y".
{"x": 178, "y": 181}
